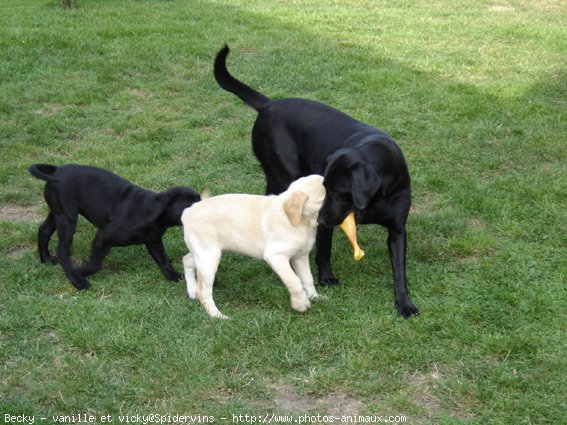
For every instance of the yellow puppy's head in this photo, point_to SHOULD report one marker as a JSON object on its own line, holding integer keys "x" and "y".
{"x": 304, "y": 199}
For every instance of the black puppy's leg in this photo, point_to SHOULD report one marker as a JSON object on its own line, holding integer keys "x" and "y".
{"x": 324, "y": 243}
{"x": 397, "y": 241}
{"x": 157, "y": 251}
{"x": 99, "y": 252}
{"x": 46, "y": 230}
{"x": 65, "y": 230}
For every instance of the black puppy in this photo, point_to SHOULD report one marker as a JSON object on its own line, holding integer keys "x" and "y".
{"x": 124, "y": 213}
{"x": 365, "y": 170}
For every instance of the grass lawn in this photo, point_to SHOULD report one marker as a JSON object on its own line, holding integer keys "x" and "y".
{"x": 475, "y": 92}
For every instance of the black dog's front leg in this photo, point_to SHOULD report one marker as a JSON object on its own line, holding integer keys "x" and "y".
{"x": 324, "y": 243}
{"x": 65, "y": 231}
{"x": 397, "y": 241}
{"x": 157, "y": 251}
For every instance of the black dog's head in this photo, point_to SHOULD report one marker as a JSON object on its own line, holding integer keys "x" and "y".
{"x": 176, "y": 200}
{"x": 351, "y": 183}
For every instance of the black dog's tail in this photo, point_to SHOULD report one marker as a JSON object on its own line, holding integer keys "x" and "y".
{"x": 250, "y": 96}
{"x": 43, "y": 172}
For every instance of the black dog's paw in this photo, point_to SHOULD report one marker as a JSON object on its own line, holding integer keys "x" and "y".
{"x": 86, "y": 270}
{"x": 52, "y": 259}
{"x": 81, "y": 283}
{"x": 407, "y": 309}
{"x": 173, "y": 276}
{"x": 329, "y": 281}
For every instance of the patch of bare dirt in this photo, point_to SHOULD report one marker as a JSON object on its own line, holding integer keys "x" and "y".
{"x": 287, "y": 400}
{"x": 49, "y": 110}
{"x": 424, "y": 385}
{"x": 13, "y": 212}
{"x": 424, "y": 388}
{"x": 16, "y": 252}
{"x": 137, "y": 93}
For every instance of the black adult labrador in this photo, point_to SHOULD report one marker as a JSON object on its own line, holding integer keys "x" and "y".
{"x": 365, "y": 170}
{"x": 124, "y": 213}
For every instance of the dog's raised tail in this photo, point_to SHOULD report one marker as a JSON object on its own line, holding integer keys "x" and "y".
{"x": 250, "y": 96}
{"x": 206, "y": 194}
{"x": 43, "y": 172}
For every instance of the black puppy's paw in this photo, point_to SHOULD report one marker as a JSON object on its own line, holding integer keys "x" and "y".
{"x": 329, "y": 281}
{"x": 173, "y": 275}
{"x": 407, "y": 309}
{"x": 87, "y": 270}
{"x": 52, "y": 259}
{"x": 81, "y": 283}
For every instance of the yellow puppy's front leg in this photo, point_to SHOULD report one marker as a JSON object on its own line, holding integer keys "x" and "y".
{"x": 349, "y": 227}
{"x": 280, "y": 264}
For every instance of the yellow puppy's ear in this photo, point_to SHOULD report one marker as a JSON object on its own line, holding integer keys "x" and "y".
{"x": 293, "y": 207}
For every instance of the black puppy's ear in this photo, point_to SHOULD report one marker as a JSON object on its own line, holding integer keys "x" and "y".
{"x": 175, "y": 200}
{"x": 365, "y": 183}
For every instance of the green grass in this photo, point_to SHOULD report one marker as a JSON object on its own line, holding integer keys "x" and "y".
{"x": 475, "y": 93}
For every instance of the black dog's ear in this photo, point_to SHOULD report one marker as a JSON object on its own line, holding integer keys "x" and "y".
{"x": 365, "y": 182}
{"x": 348, "y": 173}
{"x": 336, "y": 174}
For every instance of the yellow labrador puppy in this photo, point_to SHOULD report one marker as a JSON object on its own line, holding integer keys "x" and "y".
{"x": 278, "y": 229}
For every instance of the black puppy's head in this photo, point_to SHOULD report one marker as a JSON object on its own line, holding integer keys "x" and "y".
{"x": 176, "y": 200}
{"x": 350, "y": 183}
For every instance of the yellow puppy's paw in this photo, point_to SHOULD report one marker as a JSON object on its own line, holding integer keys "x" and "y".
{"x": 300, "y": 304}
{"x": 313, "y": 295}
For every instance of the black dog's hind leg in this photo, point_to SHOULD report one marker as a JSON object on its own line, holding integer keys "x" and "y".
{"x": 323, "y": 258}
{"x": 157, "y": 251}
{"x": 99, "y": 252}
{"x": 46, "y": 230}
{"x": 277, "y": 155}
{"x": 65, "y": 230}
{"x": 397, "y": 241}
{"x": 275, "y": 184}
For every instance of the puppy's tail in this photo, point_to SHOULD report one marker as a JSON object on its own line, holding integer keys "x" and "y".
{"x": 43, "y": 172}
{"x": 250, "y": 96}
{"x": 206, "y": 194}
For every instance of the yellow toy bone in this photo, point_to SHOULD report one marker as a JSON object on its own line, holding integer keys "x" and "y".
{"x": 349, "y": 227}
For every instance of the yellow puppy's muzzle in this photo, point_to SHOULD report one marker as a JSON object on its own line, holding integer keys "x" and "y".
{"x": 349, "y": 227}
